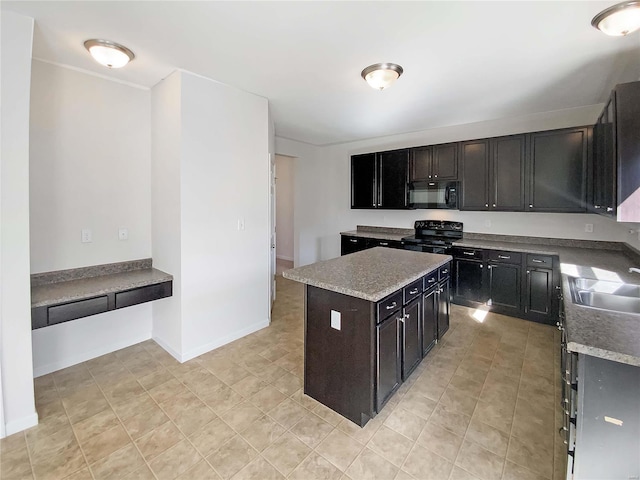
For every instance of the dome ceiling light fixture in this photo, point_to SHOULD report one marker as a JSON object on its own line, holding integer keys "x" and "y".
{"x": 619, "y": 20}
{"x": 109, "y": 54}
{"x": 382, "y": 75}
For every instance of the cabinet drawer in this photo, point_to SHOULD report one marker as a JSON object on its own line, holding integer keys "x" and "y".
{"x": 444, "y": 272}
{"x": 73, "y": 310}
{"x": 143, "y": 294}
{"x": 539, "y": 261}
{"x": 469, "y": 253}
{"x": 505, "y": 257}
{"x": 389, "y": 305}
{"x": 411, "y": 291}
{"x": 430, "y": 280}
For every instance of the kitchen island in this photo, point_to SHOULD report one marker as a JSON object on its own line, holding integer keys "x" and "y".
{"x": 370, "y": 318}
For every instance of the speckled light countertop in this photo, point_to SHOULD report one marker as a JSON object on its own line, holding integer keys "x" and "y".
{"x": 370, "y": 274}
{"x": 92, "y": 286}
{"x": 599, "y": 333}
{"x": 397, "y": 235}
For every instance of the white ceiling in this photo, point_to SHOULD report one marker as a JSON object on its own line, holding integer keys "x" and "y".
{"x": 464, "y": 61}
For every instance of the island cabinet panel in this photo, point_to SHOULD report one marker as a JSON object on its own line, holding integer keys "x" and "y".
{"x": 429, "y": 320}
{"x": 411, "y": 337}
{"x": 444, "y": 307}
{"x": 388, "y": 361}
{"x": 339, "y": 362}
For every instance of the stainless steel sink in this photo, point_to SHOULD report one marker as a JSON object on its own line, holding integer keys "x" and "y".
{"x": 602, "y": 286}
{"x": 605, "y": 295}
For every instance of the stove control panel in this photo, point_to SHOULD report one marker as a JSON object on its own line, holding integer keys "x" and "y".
{"x": 445, "y": 225}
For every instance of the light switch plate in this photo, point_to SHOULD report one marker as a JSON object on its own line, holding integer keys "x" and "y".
{"x": 335, "y": 320}
{"x": 588, "y": 227}
{"x": 86, "y": 235}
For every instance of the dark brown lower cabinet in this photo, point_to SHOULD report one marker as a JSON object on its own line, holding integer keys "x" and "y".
{"x": 539, "y": 294}
{"x": 504, "y": 287}
{"x": 389, "y": 361}
{"x": 411, "y": 341}
{"x": 444, "y": 306}
{"x": 469, "y": 281}
{"x": 429, "y": 319}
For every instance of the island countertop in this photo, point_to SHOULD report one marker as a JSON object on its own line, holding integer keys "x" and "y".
{"x": 370, "y": 274}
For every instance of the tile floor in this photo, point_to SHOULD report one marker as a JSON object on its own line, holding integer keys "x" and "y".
{"x": 480, "y": 406}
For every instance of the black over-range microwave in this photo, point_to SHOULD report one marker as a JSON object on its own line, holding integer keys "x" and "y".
{"x": 433, "y": 195}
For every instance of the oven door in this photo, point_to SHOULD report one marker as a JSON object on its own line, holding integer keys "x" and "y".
{"x": 423, "y": 247}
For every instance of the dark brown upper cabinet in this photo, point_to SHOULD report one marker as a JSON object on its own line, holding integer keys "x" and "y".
{"x": 474, "y": 166}
{"x": 434, "y": 163}
{"x": 616, "y": 172}
{"x": 506, "y": 179}
{"x": 380, "y": 180}
{"x": 557, "y": 170}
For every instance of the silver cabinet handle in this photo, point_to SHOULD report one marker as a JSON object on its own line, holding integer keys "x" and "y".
{"x": 444, "y": 272}
{"x": 353, "y": 240}
{"x": 494, "y": 205}
{"x": 609, "y": 209}
{"x": 435, "y": 176}
{"x": 401, "y": 319}
{"x": 489, "y": 267}
{"x": 504, "y": 257}
{"x": 535, "y": 260}
{"x": 469, "y": 253}
{"x": 413, "y": 292}
{"x": 374, "y": 204}
{"x": 392, "y": 306}
{"x": 531, "y": 205}
{"x": 486, "y": 204}
{"x": 597, "y": 206}
{"x": 431, "y": 280}
{"x": 384, "y": 244}
{"x": 429, "y": 176}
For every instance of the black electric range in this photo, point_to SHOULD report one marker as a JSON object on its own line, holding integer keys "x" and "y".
{"x": 433, "y": 236}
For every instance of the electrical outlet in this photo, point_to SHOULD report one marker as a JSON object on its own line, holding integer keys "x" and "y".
{"x": 123, "y": 234}
{"x": 241, "y": 224}
{"x": 588, "y": 227}
{"x": 86, "y": 236}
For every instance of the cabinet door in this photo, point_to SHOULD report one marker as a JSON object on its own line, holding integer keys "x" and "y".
{"x": 420, "y": 164}
{"x": 507, "y": 173}
{"x": 429, "y": 320}
{"x": 388, "y": 368}
{"x": 444, "y": 305}
{"x": 411, "y": 337}
{"x": 469, "y": 285}
{"x": 444, "y": 163}
{"x": 474, "y": 162}
{"x": 538, "y": 294}
{"x": 363, "y": 181}
{"x": 609, "y": 163}
{"x": 393, "y": 179}
{"x": 504, "y": 287}
{"x": 352, "y": 244}
{"x": 557, "y": 170}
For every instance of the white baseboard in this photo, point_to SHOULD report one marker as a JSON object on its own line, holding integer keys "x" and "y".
{"x": 282, "y": 257}
{"x": 196, "y": 352}
{"x": 21, "y": 424}
{"x": 84, "y": 356}
{"x": 168, "y": 349}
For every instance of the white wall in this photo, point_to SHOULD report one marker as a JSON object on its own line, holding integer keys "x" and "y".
{"x": 90, "y": 168}
{"x": 15, "y": 295}
{"x": 166, "y": 207}
{"x": 218, "y": 154}
{"x": 284, "y": 206}
{"x": 323, "y": 191}
{"x": 224, "y": 178}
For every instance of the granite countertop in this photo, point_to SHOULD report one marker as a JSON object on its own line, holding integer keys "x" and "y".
{"x": 378, "y": 235}
{"x": 600, "y": 333}
{"x": 56, "y": 292}
{"x": 370, "y": 274}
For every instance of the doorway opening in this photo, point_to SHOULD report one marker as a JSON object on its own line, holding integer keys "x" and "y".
{"x": 284, "y": 212}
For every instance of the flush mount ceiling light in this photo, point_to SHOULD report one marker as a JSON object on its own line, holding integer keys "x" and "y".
{"x": 620, "y": 19}
{"x": 109, "y": 54}
{"x": 381, "y": 75}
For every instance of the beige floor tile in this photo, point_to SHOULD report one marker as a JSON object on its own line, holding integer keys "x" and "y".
{"x": 59, "y": 466}
{"x": 201, "y": 470}
{"x": 315, "y": 467}
{"x": 143, "y": 473}
{"x": 417, "y": 404}
{"x": 15, "y": 464}
{"x": 165, "y": 391}
{"x": 105, "y": 443}
{"x": 391, "y": 445}
{"x": 233, "y": 374}
{"x": 232, "y": 457}
{"x": 339, "y": 449}
{"x": 222, "y": 400}
{"x": 516, "y": 472}
{"x": 534, "y": 422}
{"x": 208, "y": 438}
{"x": 286, "y": 453}
{"x": 187, "y": 411}
{"x": 488, "y": 437}
{"x": 53, "y": 445}
{"x": 440, "y": 440}
{"x": 480, "y": 462}
{"x": 405, "y": 423}
{"x": 12, "y": 442}
{"x": 95, "y": 425}
{"x": 175, "y": 461}
{"x": 535, "y": 457}
{"x": 311, "y": 429}
{"x": 124, "y": 392}
{"x": 288, "y": 384}
{"x": 118, "y": 464}
{"x": 458, "y": 401}
{"x": 262, "y": 433}
{"x": 327, "y": 414}
{"x": 158, "y": 440}
{"x": 258, "y": 469}
{"x": 144, "y": 422}
{"x": 134, "y": 406}
{"x": 249, "y": 386}
{"x": 466, "y": 386}
{"x": 48, "y": 426}
{"x": 425, "y": 465}
{"x": 453, "y": 421}
{"x": 460, "y": 474}
{"x": 242, "y": 416}
{"x": 83, "y": 474}
{"x": 156, "y": 378}
{"x": 497, "y": 415}
{"x": 287, "y": 413}
{"x": 371, "y": 466}
{"x": 305, "y": 400}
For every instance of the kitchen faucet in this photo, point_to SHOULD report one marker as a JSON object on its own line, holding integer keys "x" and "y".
{"x": 637, "y": 270}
